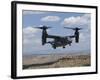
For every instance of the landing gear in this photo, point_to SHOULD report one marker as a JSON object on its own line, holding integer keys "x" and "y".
{"x": 63, "y": 46}
{"x": 54, "y": 46}
{"x": 70, "y": 44}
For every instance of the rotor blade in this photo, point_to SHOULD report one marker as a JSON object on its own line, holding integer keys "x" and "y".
{"x": 44, "y": 27}
{"x": 38, "y": 27}
{"x": 76, "y": 28}
{"x": 68, "y": 28}
{"x": 48, "y": 27}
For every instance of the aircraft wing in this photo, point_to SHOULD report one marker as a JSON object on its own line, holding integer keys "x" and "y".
{"x": 71, "y": 36}
{"x": 55, "y": 37}
{"x": 58, "y": 37}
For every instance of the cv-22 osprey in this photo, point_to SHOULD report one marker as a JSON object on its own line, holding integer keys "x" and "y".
{"x": 59, "y": 41}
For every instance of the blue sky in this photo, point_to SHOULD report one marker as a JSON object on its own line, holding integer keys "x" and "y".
{"x": 56, "y": 20}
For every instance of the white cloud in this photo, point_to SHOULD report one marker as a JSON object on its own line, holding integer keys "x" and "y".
{"x": 50, "y": 18}
{"x": 29, "y": 30}
{"x": 29, "y": 34}
{"x": 32, "y": 12}
{"x": 32, "y": 40}
{"x": 78, "y": 20}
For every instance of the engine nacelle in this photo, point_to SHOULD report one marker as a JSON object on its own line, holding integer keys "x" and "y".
{"x": 76, "y": 36}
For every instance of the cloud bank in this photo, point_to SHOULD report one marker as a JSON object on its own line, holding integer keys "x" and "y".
{"x": 50, "y": 18}
{"x": 77, "y": 21}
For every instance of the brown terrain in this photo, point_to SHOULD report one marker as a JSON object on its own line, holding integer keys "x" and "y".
{"x": 55, "y": 61}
